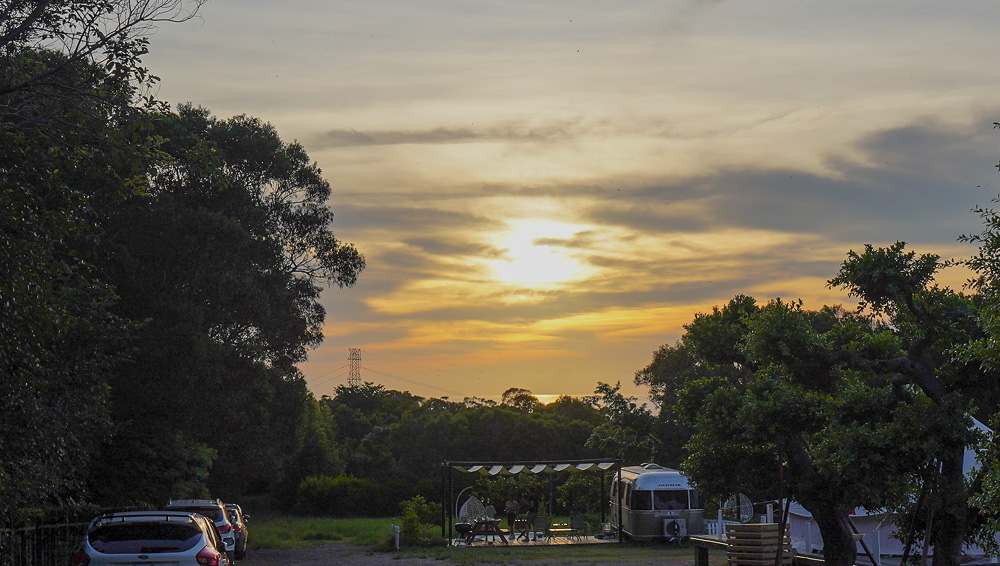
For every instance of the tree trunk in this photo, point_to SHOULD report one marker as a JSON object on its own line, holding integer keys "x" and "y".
{"x": 839, "y": 548}
{"x": 813, "y": 491}
{"x": 950, "y": 520}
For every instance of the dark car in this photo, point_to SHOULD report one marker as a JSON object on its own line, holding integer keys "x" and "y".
{"x": 239, "y": 521}
{"x": 215, "y": 511}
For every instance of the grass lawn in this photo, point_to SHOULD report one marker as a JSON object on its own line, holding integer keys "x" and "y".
{"x": 284, "y": 531}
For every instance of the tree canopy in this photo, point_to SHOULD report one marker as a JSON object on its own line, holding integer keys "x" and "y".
{"x": 162, "y": 276}
{"x": 841, "y": 409}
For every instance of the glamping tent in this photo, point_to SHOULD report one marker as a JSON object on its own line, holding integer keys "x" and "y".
{"x": 877, "y": 529}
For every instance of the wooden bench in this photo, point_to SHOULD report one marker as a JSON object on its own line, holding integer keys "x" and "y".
{"x": 576, "y": 525}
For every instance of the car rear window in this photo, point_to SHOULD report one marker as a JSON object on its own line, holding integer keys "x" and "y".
{"x": 136, "y": 538}
{"x": 214, "y": 514}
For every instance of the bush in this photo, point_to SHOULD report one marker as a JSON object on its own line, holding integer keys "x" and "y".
{"x": 417, "y": 516}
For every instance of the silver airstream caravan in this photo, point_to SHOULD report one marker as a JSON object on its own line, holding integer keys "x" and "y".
{"x": 656, "y": 502}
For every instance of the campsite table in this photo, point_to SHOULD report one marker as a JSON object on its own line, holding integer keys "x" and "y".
{"x": 487, "y": 527}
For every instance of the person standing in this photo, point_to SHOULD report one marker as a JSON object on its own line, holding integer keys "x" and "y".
{"x": 510, "y": 508}
{"x": 532, "y": 504}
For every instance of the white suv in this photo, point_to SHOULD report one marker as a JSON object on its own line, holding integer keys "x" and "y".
{"x": 215, "y": 510}
{"x": 150, "y": 537}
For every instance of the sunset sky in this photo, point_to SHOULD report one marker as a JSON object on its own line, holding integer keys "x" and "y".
{"x": 546, "y": 191}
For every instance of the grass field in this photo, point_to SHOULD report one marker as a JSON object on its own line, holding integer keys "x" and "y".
{"x": 281, "y": 531}
{"x": 290, "y": 531}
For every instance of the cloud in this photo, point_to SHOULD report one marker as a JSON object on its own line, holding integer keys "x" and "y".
{"x": 504, "y": 132}
{"x": 452, "y": 247}
{"x": 914, "y": 182}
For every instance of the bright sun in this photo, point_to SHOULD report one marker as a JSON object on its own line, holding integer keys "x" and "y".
{"x": 528, "y": 260}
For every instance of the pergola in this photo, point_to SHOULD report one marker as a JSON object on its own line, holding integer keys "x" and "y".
{"x": 524, "y": 467}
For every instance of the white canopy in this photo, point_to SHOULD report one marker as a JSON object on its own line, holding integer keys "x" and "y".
{"x": 512, "y": 468}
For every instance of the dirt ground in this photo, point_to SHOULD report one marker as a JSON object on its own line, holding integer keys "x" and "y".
{"x": 354, "y": 555}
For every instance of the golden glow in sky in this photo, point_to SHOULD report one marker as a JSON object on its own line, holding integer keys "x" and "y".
{"x": 547, "y": 191}
{"x": 528, "y": 260}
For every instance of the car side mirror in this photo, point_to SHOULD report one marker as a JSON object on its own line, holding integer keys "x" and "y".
{"x": 246, "y": 517}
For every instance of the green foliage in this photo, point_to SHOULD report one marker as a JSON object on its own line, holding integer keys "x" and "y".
{"x": 828, "y": 429}
{"x": 581, "y": 493}
{"x": 854, "y": 409}
{"x": 709, "y": 348}
{"x": 782, "y": 334}
{"x": 417, "y": 517}
{"x": 520, "y": 400}
{"x": 60, "y": 337}
{"x": 340, "y": 496}
{"x": 346, "y": 496}
{"x": 886, "y": 278}
{"x": 626, "y": 430}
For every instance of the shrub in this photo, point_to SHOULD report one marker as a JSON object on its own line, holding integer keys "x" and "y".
{"x": 417, "y": 516}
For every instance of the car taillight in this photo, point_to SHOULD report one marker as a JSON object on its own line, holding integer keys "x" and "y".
{"x": 225, "y": 528}
{"x": 79, "y": 558}
{"x": 238, "y": 528}
{"x": 208, "y": 557}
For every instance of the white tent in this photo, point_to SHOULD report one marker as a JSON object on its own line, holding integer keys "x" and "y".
{"x": 877, "y": 529}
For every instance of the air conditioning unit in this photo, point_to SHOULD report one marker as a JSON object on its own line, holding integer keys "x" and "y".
{"x": 674, "y": 528}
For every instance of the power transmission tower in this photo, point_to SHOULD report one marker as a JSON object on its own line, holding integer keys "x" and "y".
{"x": 354, "y": 378}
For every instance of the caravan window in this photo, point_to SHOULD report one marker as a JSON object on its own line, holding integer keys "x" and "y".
{"x": 642, "y": 500}
{"x": 664, "y": 500}
{"x": 696, "y": 500}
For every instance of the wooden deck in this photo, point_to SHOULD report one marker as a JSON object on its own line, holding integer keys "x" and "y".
{"x": 481, "y": 541}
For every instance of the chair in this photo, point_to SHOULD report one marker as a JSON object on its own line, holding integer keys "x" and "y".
{"x": 541, "y": 525}
{"x": 579, "y": 525}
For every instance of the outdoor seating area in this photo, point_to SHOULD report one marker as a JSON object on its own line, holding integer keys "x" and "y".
{"x": 476, "y": 527}
{"x": 520, "y": 519}
{"x": 545, "y": 532}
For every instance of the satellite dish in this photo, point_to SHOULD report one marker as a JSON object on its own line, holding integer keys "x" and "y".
{"x": 742, "y": 505}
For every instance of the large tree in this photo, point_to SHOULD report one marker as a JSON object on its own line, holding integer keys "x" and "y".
{"x": 935, "y": 324}
{"x": 846, "y": 409}
{"x": 73, "y": 139}
{"x": 708, "y": 348}
{"x": 224, "y": 259}
{"x": 787, "y": 422}
{"x": 59, "y": 334}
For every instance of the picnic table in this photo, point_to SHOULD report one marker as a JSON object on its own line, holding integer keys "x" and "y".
{"x": 487, "y": 527}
